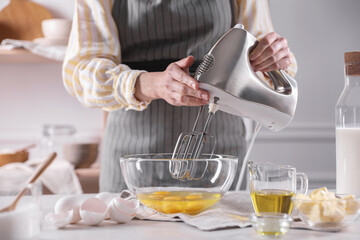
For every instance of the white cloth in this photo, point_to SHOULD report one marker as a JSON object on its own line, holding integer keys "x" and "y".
{"x": 232, "y": 210}
{"x": 55, "y": 52}
{"x": 59, "y": 177}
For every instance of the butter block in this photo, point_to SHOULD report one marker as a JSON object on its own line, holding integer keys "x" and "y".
{"x": 322, "y": 206}
{"x": 352, "y": 205}
{"x": 332, "y": 211}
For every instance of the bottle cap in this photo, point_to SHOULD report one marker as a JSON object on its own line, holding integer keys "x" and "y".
{"x": 352, "y": 63}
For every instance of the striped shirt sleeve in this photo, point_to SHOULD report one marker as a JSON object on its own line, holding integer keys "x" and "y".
{"x": 255, "y": 16}
{"x": 91, "y": 70}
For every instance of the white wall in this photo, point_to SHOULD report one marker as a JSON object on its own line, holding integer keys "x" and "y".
{"x": 318, "y": 31}
{"x": 32, "y": 95}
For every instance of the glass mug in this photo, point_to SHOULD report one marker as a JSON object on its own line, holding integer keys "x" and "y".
{"x": 272, "y": 186}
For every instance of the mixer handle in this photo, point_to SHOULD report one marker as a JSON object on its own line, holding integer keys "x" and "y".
{"x": 283, "y": 83}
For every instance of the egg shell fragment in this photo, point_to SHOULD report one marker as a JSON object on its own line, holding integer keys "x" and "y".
{"x": 68, "y": 203}
{"x": 93, "y": 211}
{"x": 59, "y": 220}
{"x": 127, "y": 206}
{"x": 106, "y": 197}
{"x": 122, "y": 210}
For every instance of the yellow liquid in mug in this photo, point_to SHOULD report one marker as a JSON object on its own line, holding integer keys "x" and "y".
{"x": 278, "y": 201}
{"x": 179, "y": 201}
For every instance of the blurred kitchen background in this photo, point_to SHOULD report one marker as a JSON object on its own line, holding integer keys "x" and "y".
{"x": 319, "y": 32}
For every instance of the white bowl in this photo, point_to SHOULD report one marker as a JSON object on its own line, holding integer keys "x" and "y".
{"x": 24, "y": 222}
{"x": 56, "y": 28}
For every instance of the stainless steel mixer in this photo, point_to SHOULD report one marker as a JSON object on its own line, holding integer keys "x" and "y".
{"x": 240, "y": 91}
{"x": 226, "y": 73}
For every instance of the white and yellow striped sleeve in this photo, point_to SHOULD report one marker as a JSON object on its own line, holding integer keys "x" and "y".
{"x": 91, "y": 70}
{"x": 255, "y": 16}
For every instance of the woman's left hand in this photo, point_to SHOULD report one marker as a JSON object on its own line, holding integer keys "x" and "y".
{"x": 271, "y": 53}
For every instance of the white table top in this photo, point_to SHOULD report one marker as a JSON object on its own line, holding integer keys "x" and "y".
{"x": 141, "y": 229}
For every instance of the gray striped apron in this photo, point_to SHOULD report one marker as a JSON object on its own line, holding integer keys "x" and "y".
{"x": 157, "y": 31}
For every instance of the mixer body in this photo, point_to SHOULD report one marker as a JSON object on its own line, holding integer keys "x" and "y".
{"x": 228, "y": 75}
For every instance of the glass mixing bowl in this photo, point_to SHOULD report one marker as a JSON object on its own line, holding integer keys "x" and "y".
{"x": 178, "y": 186}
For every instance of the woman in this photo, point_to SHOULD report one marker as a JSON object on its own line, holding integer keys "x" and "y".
{"x": 132, "y": 58}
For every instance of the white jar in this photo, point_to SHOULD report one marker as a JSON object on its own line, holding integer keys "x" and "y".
{"x": 24, "y": 222}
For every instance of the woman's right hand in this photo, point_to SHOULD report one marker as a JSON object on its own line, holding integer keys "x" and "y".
{"x": 174, "y": 85}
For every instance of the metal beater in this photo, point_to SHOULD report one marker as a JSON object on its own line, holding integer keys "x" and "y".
{"x": 190, "y": 146}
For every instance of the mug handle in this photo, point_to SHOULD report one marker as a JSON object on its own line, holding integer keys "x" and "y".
{"x": 304, "y": 182}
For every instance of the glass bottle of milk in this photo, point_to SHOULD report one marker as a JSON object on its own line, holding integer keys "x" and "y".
{"x": 348, "y": 129}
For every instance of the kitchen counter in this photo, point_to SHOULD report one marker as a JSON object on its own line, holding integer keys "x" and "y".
{"x": 140, "y": 229}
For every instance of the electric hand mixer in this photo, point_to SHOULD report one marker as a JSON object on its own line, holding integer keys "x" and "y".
{"x": 226, "y": 73}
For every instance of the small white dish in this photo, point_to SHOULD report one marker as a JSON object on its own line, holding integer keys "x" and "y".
{"x": 51, "y": 41}
{"x": 56, "y": 28}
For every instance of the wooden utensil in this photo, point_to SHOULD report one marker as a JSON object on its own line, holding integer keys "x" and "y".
{"x": 35, "y": 176}
{"x": 22, "y": 19}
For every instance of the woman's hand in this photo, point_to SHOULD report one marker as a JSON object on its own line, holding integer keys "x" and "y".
{"x": 174, "y": 85}
{"x": 271, "y": 53}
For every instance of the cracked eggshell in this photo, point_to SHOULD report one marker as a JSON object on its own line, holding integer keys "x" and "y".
{"x": 69, "y": 203}
{"x": 59, "y": 220}
{"x": 93, "y": 211}
{"x": 122, "y": 210}
{"x": 106, "y": 197}
{"x": 127, "y": 206}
